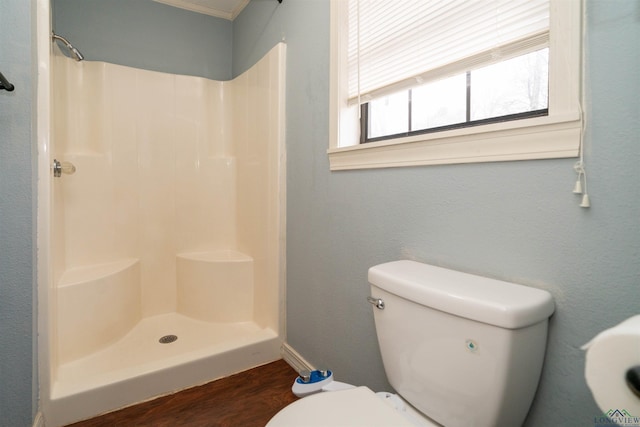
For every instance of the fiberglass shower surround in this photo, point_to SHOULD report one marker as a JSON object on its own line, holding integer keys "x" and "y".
{"x": 171, "y": 225}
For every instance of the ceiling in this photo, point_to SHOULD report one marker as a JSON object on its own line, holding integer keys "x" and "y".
{"x": 226, "y": 9}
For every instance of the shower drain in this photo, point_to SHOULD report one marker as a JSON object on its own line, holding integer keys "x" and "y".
{"x": 168, "y": 339}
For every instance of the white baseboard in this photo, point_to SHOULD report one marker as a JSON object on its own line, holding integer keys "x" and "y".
{"x": 294, "y": 359}
{"x": 38, "y": 420}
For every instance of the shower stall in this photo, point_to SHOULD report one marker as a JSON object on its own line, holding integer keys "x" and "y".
{"x": 162, "y": 254}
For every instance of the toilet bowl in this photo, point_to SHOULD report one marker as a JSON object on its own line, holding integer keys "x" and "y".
{"x": 460, "y": 350}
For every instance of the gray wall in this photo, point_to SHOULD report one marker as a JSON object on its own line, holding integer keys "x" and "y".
{"x": 147, "y": 34}
{"x": 17, "y": 217}
{"x": 517, "y": 221}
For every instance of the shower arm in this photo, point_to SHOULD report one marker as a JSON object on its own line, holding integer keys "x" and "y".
{"x": 75, "y": 52}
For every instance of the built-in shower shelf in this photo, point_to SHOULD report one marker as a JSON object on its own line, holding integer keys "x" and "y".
{"x": 215, "y": 286}
{"x": 97, "y": 305}
{"x": 88, "y": 273}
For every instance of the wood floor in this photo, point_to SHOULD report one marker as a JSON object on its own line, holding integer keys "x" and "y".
{"x": 248, "y": 399}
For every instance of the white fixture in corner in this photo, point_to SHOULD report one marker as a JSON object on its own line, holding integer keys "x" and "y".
{"x": 226, "y": 9}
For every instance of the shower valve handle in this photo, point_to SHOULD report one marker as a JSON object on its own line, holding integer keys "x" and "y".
{"x": 62, "y": 167}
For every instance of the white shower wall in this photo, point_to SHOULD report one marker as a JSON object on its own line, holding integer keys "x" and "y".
{"x": 168, "y": 167}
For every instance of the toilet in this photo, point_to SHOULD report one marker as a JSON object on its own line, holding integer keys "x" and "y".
{"x": 460, "y": 350}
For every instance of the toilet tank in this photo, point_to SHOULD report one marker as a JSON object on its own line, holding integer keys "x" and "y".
{"x": 464, "y": 350}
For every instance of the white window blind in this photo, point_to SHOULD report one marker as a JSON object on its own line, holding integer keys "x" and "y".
{"x": 396, "y": 44}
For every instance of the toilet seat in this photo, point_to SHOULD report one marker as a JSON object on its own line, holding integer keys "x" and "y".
{"x": 356, "y": 407}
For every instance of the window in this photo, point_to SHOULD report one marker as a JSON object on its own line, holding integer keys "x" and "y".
{"x": 480, "y": 97}
{"x": 514, "y": 89}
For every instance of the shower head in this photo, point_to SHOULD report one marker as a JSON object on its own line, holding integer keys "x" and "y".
{"x": 74, "y": 52}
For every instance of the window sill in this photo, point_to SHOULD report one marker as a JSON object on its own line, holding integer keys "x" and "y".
{"x": 536, "y": 138}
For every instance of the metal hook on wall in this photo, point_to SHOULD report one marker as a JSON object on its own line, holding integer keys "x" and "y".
{"x": 4, "y": 84}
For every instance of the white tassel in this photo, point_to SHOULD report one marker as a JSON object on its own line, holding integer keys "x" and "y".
{"x": 585, "y": 202}
{"x": 578, "y": 188}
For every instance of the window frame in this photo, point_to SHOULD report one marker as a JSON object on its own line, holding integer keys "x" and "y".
{"x": 556, "y": 135}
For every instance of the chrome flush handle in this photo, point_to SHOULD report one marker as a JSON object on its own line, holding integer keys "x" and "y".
{"x": 377, "y": 302}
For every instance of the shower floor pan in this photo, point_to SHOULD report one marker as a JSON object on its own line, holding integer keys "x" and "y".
{"x": 139, "y": 367}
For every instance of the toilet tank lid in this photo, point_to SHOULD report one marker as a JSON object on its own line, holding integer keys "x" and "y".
{"x": 482, "y": 299}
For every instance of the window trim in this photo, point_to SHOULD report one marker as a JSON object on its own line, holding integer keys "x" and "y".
{"x": 557, "y": 135}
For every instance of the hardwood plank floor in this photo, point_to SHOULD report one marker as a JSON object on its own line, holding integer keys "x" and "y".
{"x": 247, "y": 399}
